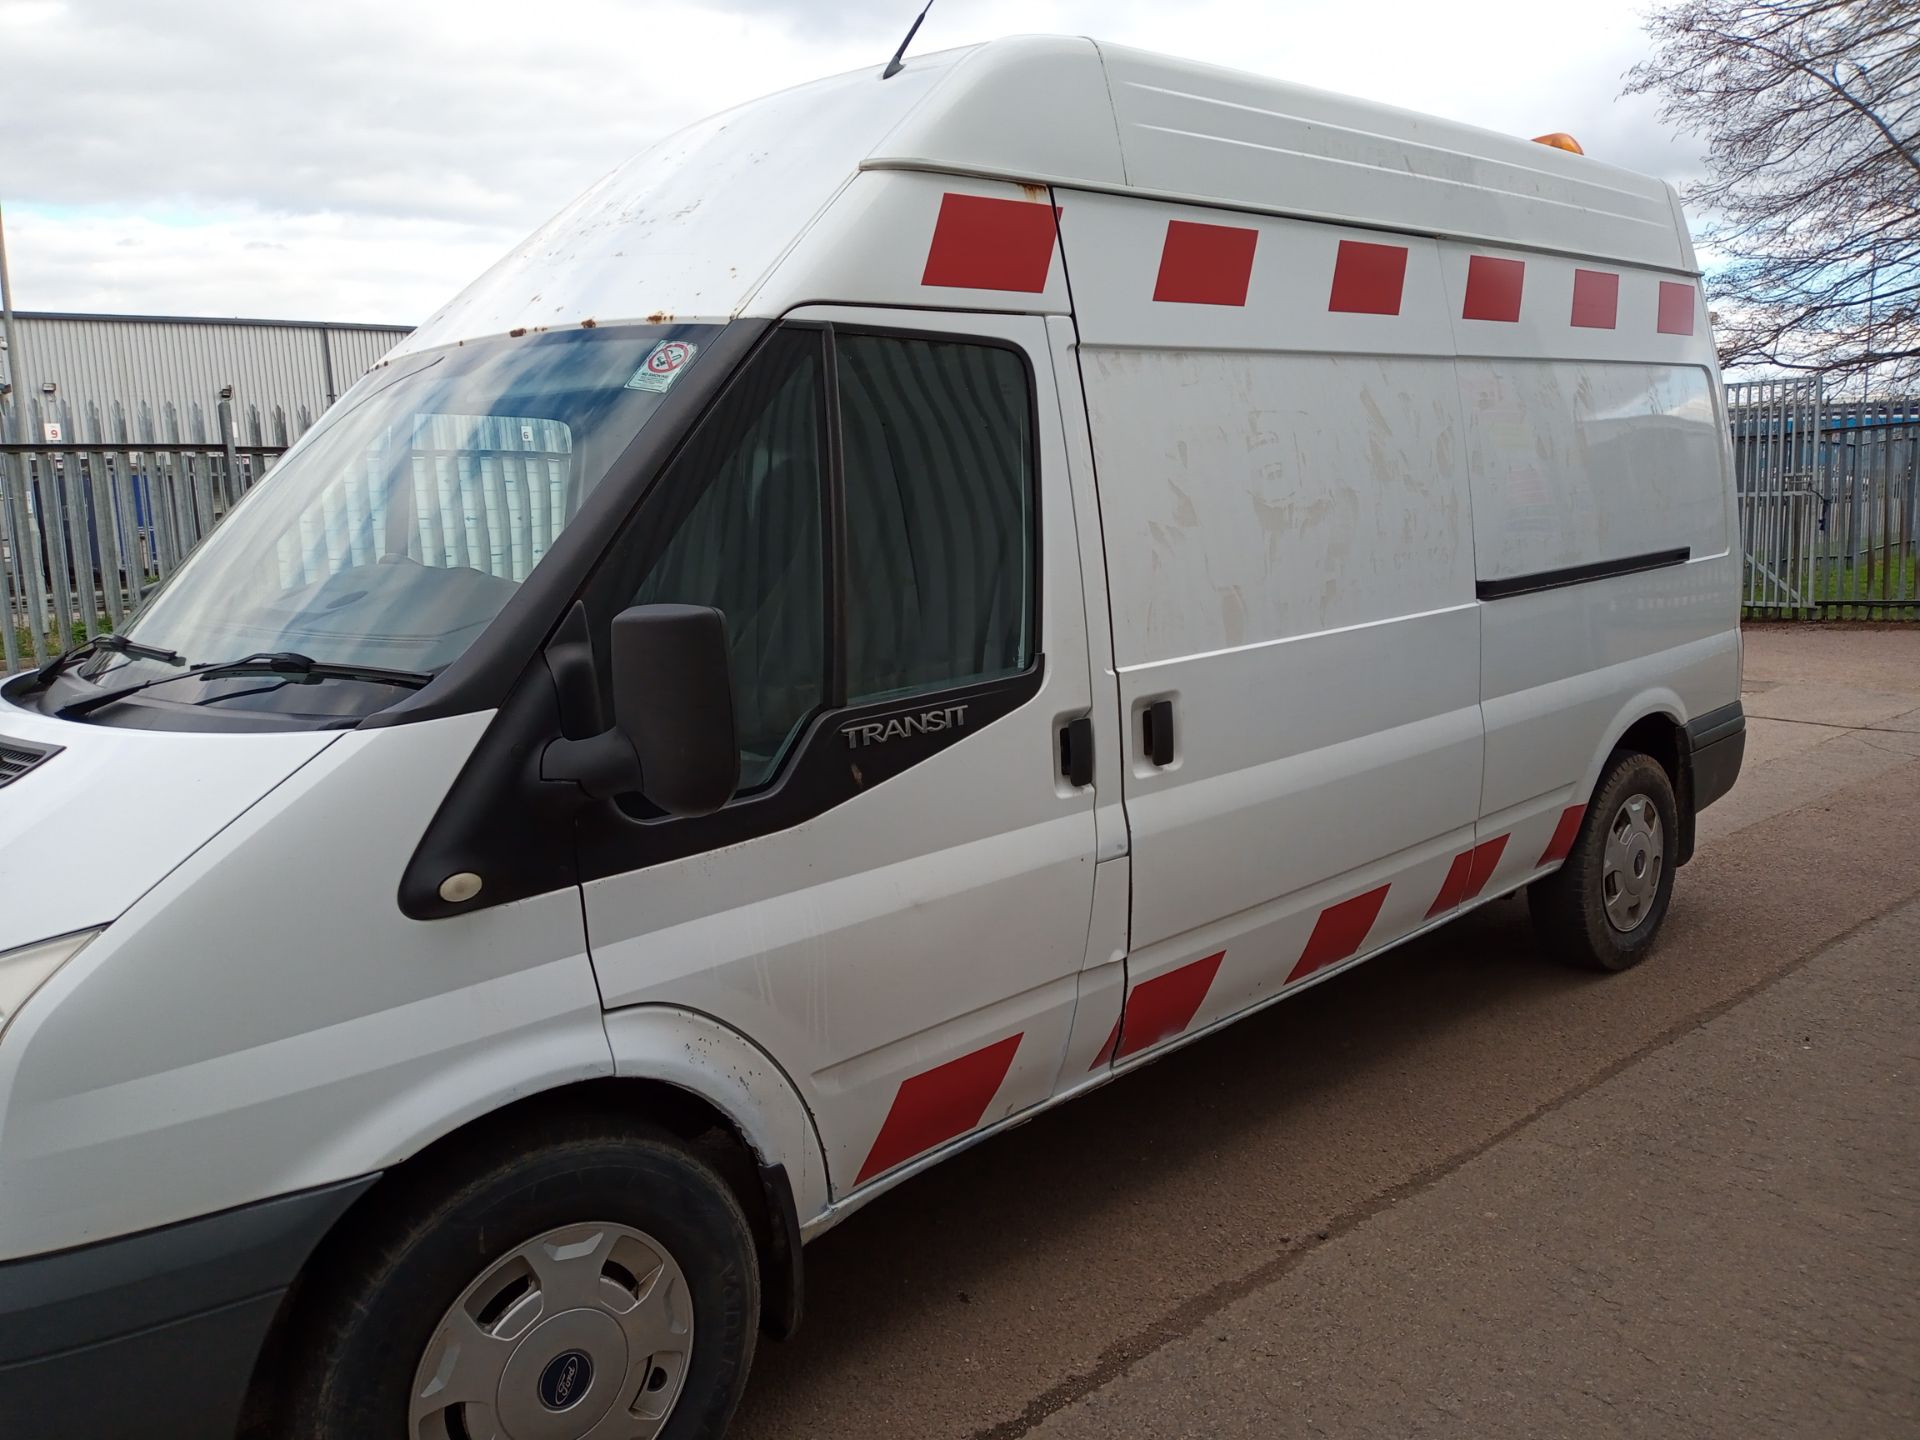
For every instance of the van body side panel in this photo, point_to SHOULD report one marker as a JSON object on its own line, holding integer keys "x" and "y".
{"x": 1578, "y": 463}
{"x": 1604, "y": 557}
{"x": 183, "y": 788}
{"x": 265, "y": 1020}
{"x": 1284, "y": 495}
{"x": 910, "y": 958}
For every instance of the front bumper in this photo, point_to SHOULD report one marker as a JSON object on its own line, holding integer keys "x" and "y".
{"x": 153, "y": 1336}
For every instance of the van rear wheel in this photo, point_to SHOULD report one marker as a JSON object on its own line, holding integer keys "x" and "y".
{"x": 1602, "y": 910}
{"x": 602, "y": 1283}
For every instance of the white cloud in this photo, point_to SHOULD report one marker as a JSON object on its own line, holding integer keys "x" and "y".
{"x": 396, "y": 148}
{"x": 293, "y": 267}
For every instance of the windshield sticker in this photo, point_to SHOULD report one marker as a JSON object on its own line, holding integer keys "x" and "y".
{"x": 663, "y": 366}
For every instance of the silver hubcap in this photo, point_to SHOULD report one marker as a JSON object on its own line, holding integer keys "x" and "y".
{"x": 1635, "y": 855}
{"x": 582, "y": 1333}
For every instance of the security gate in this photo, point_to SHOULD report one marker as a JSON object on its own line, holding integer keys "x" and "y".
{"x": 1829, "y": 493}
{"x": 1776, "y": 448}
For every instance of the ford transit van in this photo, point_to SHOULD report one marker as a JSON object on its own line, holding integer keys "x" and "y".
{"x": 910, "y": 599}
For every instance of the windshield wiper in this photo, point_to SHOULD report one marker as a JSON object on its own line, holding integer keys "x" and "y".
{"x": 293, "y": 667}
{"x": 111, "y": 645}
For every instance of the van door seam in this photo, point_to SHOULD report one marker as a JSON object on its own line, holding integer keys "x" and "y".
{"x": 1106, "y": 570}
{"x": 1473, "y": 536}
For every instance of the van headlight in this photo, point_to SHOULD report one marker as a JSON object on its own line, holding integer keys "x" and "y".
{"x": 25, "y": 970}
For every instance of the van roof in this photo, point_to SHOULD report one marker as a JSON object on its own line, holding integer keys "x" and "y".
{"x": 1082, "y": 113}
{"x": 697, "y": 223}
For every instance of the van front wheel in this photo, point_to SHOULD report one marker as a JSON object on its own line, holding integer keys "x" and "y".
{"x": 1603, "y": 908}
{"x": 600, "y": 1284}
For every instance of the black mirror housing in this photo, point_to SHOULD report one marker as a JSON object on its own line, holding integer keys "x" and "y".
{"x": 673, "y": 737}
{"x": 673, "y": 700}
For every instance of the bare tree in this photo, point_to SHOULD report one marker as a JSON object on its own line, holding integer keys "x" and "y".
{"x": 1811, "y": 109}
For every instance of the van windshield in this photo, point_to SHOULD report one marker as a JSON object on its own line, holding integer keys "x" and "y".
{"x": 397, "y": 529}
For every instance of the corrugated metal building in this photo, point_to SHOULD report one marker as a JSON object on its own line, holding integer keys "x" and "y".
{"x": 96, "y": 362}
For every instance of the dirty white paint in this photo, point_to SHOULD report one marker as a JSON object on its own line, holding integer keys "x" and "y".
{"x": 1574, "y": 464}
{"x": 1290, "y": 548}
{"x": 1114, "y": 246}
{"x": 1571, "y": 465}
{"x": 1298, "y": 503}
{"x": 698, "y": 1054}
{"x": 1251, "y": 498}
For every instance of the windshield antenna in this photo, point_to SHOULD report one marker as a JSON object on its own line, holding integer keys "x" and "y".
{"x": 894, "y": 67}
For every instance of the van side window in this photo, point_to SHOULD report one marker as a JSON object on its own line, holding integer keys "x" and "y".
{"x": 938, "y": 446}
{"x": 742, "y": 533}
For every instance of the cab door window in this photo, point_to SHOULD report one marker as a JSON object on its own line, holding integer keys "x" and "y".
{"x": 938, "y": 473}
{"x": 741, "y": 511}
{"x": 908, "y": 571}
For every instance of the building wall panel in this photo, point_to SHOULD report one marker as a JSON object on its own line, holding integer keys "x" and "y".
{"x": 143, "y": 364}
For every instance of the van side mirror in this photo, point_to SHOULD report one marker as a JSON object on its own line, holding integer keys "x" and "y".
{"x": 673, "y": 698}
{"x": 673, "y": 737}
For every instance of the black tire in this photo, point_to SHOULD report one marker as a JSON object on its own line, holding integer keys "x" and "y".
{"x": 1570, "y": 910}
{"x": 391, "y": 1276}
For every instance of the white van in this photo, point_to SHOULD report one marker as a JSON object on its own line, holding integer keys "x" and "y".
{"x": 910, "y": 599}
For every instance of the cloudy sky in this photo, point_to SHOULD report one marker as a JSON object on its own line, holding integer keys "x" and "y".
{"x": 363, "y": 159}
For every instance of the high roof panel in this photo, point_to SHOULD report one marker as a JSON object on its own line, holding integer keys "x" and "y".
{"x": 690, "y": 227}
{"x": 1078, "y": 112}
{"x": 1239, "y": 139}
{"x": 694, "y": 226}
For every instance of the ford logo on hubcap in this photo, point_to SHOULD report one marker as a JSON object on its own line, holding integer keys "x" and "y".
{"x": 565, "y": 1379}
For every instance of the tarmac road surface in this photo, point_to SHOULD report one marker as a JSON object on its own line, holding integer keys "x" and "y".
{"x": 1461, "y": 1190}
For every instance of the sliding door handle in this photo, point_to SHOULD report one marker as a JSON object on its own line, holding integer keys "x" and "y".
{"x": 1076, "y": 752}
{"x": 1156, "y": 732}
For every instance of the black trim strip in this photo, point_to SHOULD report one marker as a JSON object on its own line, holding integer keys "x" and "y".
{"x": 783, "y": 1292}
{"x": 1579, "y": 574}
{"x": 829, "y": 767}
{"x": 1716, "y": 767}
{"x": 155, "y": 1334}
{"x": 1716, "y": 725}
{"x": 1716, "y": 744}
{"x": 110, "y": 1290}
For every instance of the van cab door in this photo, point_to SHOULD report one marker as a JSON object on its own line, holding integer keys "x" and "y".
{"x": 895, "y": 904}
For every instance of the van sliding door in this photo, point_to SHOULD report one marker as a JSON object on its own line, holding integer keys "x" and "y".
{"x": 1282, "y": 487}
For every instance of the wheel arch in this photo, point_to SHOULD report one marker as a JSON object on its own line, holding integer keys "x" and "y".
{"x": 1654, "y": 723}
{"x": 740, "y": 1082}
{"x": 685, "y": 1072}
{"x": 1648, "y": 713}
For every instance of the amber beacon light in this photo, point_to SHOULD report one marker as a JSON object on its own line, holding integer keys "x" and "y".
{"x": 1560, "y": 140}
